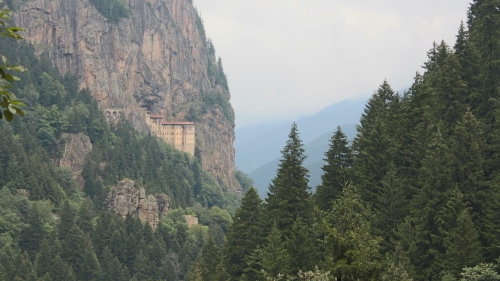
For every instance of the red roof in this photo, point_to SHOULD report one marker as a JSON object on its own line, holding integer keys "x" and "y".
{"x": 177, "y": 123}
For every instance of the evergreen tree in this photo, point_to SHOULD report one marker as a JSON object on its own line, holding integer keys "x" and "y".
{"x": 484, "y": 28}
{"x": 210, "y": 264}
{"x": 67, "y": 221}
{"x": 244, "y": 234}
{"x": 289, "y": 196}
{"x": 118, "y": 245}
{"x": 435, "y": 175}
{"x": 351, "y": 252}
{"x": 373, "y": 145}
{"x": 270, "y": 260}
{"x": 142, "y": 267}
{"x": 60, "y": 271}
{"x": 78, "y": 252}
{"x": 463, "y": 248}
{"x": 45, "y": 257}
{"x": 302, "y": 247}
{"x": 336, "y": 170}
{"x": 390, "y": 208}
{"x": 24, "y": 268}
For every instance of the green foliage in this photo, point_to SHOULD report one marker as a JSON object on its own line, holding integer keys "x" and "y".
{"x": 271, "y": 260}
{"x": 481, "y": 272}
{"x": 200, "y": 27}
{"x": 336, "y": 170}
{"x": 288, "y": 198}
{"x": 67, "y": 231}
{"x": 244, "y": 235}
{"x": 9, "y": 104}
{"x": 244, "y": 180}
{"x": 351, "y": 252}
{"x": 113, "y": 10}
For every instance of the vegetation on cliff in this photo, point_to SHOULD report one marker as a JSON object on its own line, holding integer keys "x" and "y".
{"x": 113, "y": 10}
{"x": 414, "y": 197}
{"x": 46, "y": 219}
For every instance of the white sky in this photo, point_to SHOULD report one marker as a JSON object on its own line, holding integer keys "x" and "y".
{"x": 290, "y": 58}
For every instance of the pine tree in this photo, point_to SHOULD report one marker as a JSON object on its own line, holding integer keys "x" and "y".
{"x": 351, "y": 252}
{"x": 289, "y": 196}
{"x": 435, "y": 186}
{"x": 484, "y": 28}
{"x": 463, "y": 248}
{"x": 142, "y": 267}
{"x": 60, "y": 271}
{"x": 45, "y": 257}
{"x": 32, "y": 236}
{"x": 302, "y": 248}
{"x": 25, "y": 269}
{"x": 373, "y": 145}
{"x": 244, "y": 234}
{"x": 85, "y": 216}
{"x": 118, "y": 245}
{"x": 391, "y": 207}
{"x": 78, "y": 252}
{"x": 270, "y": 260}
{"x": 210, "y": 263}
{"x": 336, "y": 170}
{"x": 67, "y": 221}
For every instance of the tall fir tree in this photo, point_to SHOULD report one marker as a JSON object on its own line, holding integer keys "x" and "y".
{"x": 373, "y": 144}
{"x": 435, "y": 186}
{"x": 244, "y": 234}
{"x": 336, "y": 171}
{"x": 289, "y": 196}
{"x": 484, "y": 29}
{"x": 351, "y": 251}
{"x": 270, "y": 260}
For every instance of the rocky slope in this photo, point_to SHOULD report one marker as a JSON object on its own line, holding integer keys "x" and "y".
{"x": 127, "y": 198}
{"x": 155, "y": 59}
{"x": 76, "y": 148}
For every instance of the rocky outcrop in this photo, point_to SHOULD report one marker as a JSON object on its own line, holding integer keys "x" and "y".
{"x": 190, "y": 220}
{"x": 127, "y": 198}
{"x": 156, "y": 59}
{"x": 76, "y": 148}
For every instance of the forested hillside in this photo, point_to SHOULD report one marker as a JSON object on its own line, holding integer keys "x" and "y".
{"x": 416, "y": 196}
{"x": 53, "y": 229}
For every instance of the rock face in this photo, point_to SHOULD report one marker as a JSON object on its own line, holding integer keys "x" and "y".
{"x": 126, "y": 198}
{"x": 76, "y": 148}
{"x": 156, "y": 59}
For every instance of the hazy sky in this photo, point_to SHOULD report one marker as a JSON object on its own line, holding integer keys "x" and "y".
{"x": 290, "y": 58}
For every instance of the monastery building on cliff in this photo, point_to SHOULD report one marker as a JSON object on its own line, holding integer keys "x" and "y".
{"x": 180, "y": 135}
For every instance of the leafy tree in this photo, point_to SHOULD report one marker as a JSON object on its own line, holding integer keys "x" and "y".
{"x": 9, "y": 104}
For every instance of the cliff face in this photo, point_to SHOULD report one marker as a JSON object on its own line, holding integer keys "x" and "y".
{"x": 155, "y": 59}
{"x": 126, "y": 198}
{"x": 76, "y": 148}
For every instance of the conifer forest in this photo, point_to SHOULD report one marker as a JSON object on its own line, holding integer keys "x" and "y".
{"x": 415, "y": 196}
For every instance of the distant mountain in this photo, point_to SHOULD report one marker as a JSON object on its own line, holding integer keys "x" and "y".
{"x": 258, "y": 145}
{"x": 315, "y": 151}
